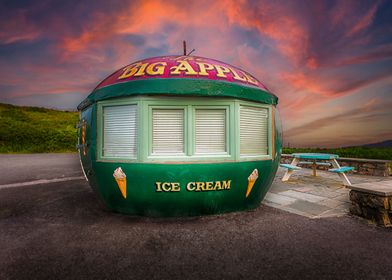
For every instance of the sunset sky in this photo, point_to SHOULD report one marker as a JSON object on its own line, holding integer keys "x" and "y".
{"x": 329, "y": 62}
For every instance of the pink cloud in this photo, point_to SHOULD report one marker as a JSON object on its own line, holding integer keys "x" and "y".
{"x": 18, "y": 28}
{"x": 380, "y": 53}
{"x": 364, "y": 21}
{"x": 289, "y": 33}
{"x": 146, "y": 18}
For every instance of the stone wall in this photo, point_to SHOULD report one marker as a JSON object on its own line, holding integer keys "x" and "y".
{"x": 370, "y": 167}
{"x": 372, "y": 207}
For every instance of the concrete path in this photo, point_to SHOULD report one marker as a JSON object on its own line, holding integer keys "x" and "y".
{"x": 322, "y": 196}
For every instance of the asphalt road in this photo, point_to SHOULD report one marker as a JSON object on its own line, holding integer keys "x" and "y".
{"x": 23, "y": 168}
{"x": 62, "y": 231}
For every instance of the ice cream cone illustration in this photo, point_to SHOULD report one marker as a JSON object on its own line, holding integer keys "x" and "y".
{"x": 121, "y": 180}
{"x": 251, "y": 181}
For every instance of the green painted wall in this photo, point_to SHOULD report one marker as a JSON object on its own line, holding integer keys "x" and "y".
{"x": 143, "y": 173}
{"x": 180, "y": 87}
{"x": 143, "y": 198}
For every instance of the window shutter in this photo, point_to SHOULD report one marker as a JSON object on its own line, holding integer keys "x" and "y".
{"x": 253, "y": 131}
{"x": 167, "y": 131}
{"x": 210, "y": 131}
{"x": 119, "y": 131}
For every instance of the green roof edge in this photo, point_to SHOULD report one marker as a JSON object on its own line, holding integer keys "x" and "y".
{"x": 180, "y": 87}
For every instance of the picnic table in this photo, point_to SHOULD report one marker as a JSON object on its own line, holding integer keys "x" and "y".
{"x": 313, "y": 159}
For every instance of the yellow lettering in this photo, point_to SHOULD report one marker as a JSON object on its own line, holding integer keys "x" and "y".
{"x": 193, "y": 186}
{"x": 236, "y": 76}
{"x": 156, "y": 68}
{"x": 226, "y": 185}
{"x": 141, "y": 70}
{"x": 175, "y": 187}
{"x": 250, "y": 79}
{"x": 183, "y": 66}
{"x": 183, "y": 57}
{"x": 200, "y": 186}
{"x": 166, "y": 187}
{"x": 129, "y": 71}
{"x": 158, "y": 186}
{"x": 221, "y": 70}
{"x": 203, "y": 67}
{"x": 190, "y": 186}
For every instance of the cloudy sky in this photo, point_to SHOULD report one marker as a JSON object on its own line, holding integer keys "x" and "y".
{"x": 329, "y": 62}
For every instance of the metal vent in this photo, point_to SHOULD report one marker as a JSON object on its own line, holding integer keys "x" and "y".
{"x": 210, "y": 130}
{"x": 253, "y": 131}
{"x": 119, "y": 131}
{"x": 168, "y": 131}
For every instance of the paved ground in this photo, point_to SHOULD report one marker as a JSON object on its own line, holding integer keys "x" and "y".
{"x": 314, "y": 197}
{"x": 23, "y": 168}
{"x": 61, "y": 231}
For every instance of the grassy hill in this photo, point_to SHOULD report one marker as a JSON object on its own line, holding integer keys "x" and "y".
{"x": 36, "y": 130}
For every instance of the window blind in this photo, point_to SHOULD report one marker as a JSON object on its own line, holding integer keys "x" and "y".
{"x": 253, "y": 131}
{"x": 119, "y": 131}
{"x": 210, "y": 131}
{"x": 168, "y": 131}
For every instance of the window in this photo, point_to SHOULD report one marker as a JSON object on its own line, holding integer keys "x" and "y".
{"x": 168, "y": 131}
{"x": 253, "y": 131}
{"x": 210, "y": 131}
{"x": 162, "y": 129}
{"x": 119, "y": 131}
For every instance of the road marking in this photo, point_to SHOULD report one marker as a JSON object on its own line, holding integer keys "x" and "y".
{"x": 42, "y": 181}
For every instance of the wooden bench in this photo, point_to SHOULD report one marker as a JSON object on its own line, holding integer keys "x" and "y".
{"x": 341, "y": 169}
{"x": 290, "y": 166}
{"x": 314, "y": 160}
{"x": 290, "y": 169}
{"x": 317, "y": 163}
{"x": 313, "y": 164}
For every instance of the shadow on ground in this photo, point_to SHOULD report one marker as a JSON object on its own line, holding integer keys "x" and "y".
{"x": 62, "y": 231}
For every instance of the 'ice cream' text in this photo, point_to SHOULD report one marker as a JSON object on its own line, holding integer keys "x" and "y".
{"x": 193, "y": 186}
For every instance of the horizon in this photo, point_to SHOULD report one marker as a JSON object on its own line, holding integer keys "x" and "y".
{"x": 74, "y": 110}
{"x": 329, "y": 62}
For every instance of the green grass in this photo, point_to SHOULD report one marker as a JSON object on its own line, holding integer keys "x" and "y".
{"x": 36, "y": 130}
{"x": 350, "y": 152}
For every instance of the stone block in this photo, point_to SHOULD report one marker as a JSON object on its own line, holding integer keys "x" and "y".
{"x": 355, "y": 209}
{"x": 369, "y": 165}
{"x": 364, "y": 171}
{"x": 380, "y": 216}
{"x": 369, "y": 200}
{"x": 372, "y": 207}
{"x": 380, "y": 166}
{"x": 379, "y": 172}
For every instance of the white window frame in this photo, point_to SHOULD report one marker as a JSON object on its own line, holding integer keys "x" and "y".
{"x": 150, "y": 120}
{"x": 270, "y": 140}
{"x": 226, "y": 110}
{"x": 100, "y": 130}
{"x": 144, "y": 126}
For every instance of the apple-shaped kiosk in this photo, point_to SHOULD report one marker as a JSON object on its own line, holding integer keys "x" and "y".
{"x": 180, "y": 136}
